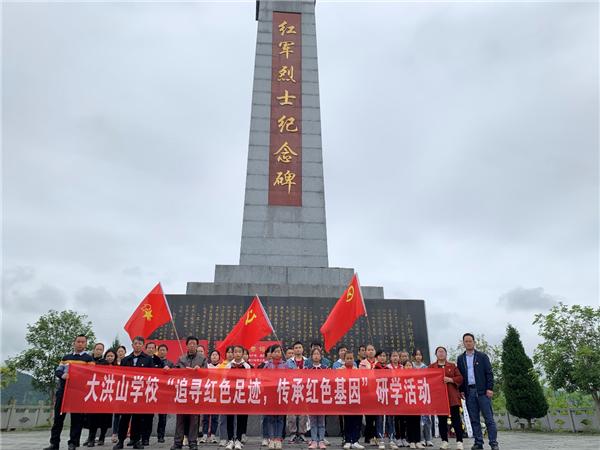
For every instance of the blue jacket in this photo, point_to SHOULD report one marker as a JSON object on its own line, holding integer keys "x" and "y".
{"x": 482, "y": 368}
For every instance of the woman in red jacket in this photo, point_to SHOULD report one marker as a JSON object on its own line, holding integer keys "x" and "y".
{"x": 453, "y": 379}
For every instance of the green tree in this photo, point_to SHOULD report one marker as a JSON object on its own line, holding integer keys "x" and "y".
{"x": 522, "y": 388}
{"x": 49, "y": 339}
{"x": 8, "y": 374}
{"x": 570, "y": 353}
{"x": 115, "y": 343}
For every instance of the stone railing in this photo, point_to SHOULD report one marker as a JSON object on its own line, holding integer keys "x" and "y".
{"x": 15, "y": 417}
{"x": 568, "y": 419}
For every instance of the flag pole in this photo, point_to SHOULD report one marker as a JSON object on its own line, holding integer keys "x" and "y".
{"x": 267, "y": 316}
{"x": 172, "y": 322}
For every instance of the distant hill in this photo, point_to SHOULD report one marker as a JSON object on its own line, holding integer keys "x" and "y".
{"x": 22, "y": 392}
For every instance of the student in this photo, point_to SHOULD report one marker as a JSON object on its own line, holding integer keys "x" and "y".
{"x": 289, "y": 352}
{"x": 369, "y": 363}
{"x": 121, "y": 353}
{"x": 425, "y": 420}
{"x": 352, "y": 424}
{"x": 239, "y": 420}
{"x": 265, "y": 420}
{"x": 275, "y": 423}
{"x": 413, "y": 423}
{"x": 210, "y": 422}
{"x": 297, "y": 425}
{"x": 222, "y": 417}
{"x": 362, "y": 354}
{"x": 100, "y": 421}
{"x": 324, "y": 360}
{"x": 453, "y": 379}
{"x": 384, "y": 424}
{"x": 400, "y": 422}
{"x": 342, "y": 349}
{"x": 317, "y": 423}
{"x": 162, "y": 418}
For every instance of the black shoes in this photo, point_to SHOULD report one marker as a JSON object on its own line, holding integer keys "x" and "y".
{"x": 161, "y": 440}
{"x": 138, "y": 445}
{"x": 477, "y": 447}
{"x": 51, "y": 447}
{"x": 72, "y": 447}
{"x": 146, "y": 442}
{"x": 118, "y": 446}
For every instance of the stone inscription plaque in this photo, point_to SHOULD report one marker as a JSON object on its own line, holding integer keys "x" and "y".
{"x": 391, "y": 324}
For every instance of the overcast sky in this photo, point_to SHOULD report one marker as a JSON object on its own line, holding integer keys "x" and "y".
{"x": 460, "y": 146}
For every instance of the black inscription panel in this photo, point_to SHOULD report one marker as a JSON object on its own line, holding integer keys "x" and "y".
{"x": 391, "y": 324}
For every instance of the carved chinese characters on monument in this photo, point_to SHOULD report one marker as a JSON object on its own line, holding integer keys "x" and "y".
{"x": 285, "y": 149}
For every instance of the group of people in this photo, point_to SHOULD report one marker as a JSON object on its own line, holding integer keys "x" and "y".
{"x": 470, "y": 378}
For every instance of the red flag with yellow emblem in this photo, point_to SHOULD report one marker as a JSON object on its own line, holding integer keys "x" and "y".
{"x": 251, "y": 328}
{"x": 150, "y": 314}
{"x": 347, "y": 310}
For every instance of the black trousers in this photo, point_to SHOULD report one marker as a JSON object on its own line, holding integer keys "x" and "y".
{"x": 137, "y": 423}
{"x": 147, "y": 423}
{"x": 400, "y": 427}
{"x": 162, "y": 424}
{"x": 413, "y": 428}
{"x": 456, "y": 424}
{"x": 242, "y": 423}
{"x": 369, "y": 428}
{"x": 352, "y": 425}
{"x": 59, "y": 420}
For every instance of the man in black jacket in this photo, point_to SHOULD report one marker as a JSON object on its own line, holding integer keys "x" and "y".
{"x": 137, "y": 358}
{"x": 62, "y": 373}
{"x": 478, "y": 390}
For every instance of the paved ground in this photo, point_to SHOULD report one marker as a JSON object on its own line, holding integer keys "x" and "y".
{"x": 35, "y": 440}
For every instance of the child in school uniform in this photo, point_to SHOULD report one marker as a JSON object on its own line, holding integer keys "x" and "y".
{"x": 275, "y": 423}
{"x": 352, "y": 424}
{"x": 317, "y": 423}
{"x": 239, "y": 420}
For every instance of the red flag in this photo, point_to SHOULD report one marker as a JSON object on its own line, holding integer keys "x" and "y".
{"x": 251, "y": 328}
{"x": 349, "y": 307}
{"x": 151, "y": 313}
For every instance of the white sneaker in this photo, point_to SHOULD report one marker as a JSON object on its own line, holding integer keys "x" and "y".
{"x": 267, "y": 443}
{"x": 326, "y": 442}
{"x": 412, "y": 445}
{"x": 222, "y": 443}
{"x": 347, "y": 445}
{"x": 429, "y": 444}
{"x": 279, "y": 445}
{"x": 419, "y": 445}
{"x": 229, "y": 445}
{"x": 393, "y": 445}
{"x": 292, "y": 439}
{"x": 358, "y": 446}
{"x": 214, "y": 440}
{"x": 244, "y": 438}
{"x": 238, "y": 445}
{"x": 459, "y": 446}
{"x": 444, "y": 445}
{"x": 381, "y": 445}
{"x": 404, "y": 443}
{"x": 203, "y": 439}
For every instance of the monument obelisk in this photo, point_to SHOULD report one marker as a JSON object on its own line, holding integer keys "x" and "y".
{"x": 283, "y": 252}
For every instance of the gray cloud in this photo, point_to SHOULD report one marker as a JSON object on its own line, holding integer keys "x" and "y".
{"x": 522, "y": 299}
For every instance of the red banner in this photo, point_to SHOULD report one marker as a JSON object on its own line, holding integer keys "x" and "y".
{"x": 105, "y": 389}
